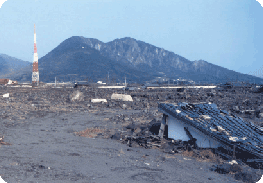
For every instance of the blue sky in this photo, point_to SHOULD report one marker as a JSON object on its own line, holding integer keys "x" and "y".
{"x": 227, "y": 33}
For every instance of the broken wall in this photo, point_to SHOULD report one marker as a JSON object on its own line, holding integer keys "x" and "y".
{"x": 177, "y": 132}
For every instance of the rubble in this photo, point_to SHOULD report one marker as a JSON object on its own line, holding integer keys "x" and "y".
{"x": 244, "y": 174}
{"x": 122, "y": 97}
{"x": 140, "y": 116}
{"x": 226, "y": 168}
{"x": 77, "y": 96}
{"x": 2, "y": 141}
{"x": 259, "y": 90}
{"x": 6, "y": 95}
{"x": 140, "y": 129}
{"x": 233, "y": 162}
{"x": 98, "y": 100}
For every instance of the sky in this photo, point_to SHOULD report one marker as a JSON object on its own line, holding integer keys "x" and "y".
{"x": 227, "y": 33}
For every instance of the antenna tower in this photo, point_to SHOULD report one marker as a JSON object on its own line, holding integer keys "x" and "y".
{"x": 35, "y": 73}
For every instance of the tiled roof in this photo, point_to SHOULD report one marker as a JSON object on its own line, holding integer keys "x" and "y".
{"x": 218, "y": 124}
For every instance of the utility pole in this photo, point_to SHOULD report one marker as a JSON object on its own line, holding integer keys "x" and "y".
{"x": 35, "y": 73}
{"x": 125, "y": 86}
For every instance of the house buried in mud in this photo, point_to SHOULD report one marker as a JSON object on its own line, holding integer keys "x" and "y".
{"x": 205, "y": 126}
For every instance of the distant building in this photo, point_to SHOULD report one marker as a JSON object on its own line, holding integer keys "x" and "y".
{"x": 100, "y": 82}
{"x": 183, "y": 81}
{"x": 4, "y": 81}
{"x": 166, "y": 80}
{"x": 7, "y": 81}
{"x": 145, "y": 86}
{"x": 81, "y": 83}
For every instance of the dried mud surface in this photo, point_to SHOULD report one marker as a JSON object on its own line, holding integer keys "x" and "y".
{"x": 49, "y": 137}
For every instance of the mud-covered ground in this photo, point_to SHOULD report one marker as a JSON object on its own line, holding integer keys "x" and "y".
{"x": 47, "y": 150}
{"x": 49, "y": 135}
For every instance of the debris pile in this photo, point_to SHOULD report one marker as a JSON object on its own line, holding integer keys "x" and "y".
{"x": 259, "y": 90}
{"x": 6, "y": 95}
{"x": 243, "y": 173}
{"x": 2, "y": 141}
{"x": 98, "y": 100}
{"x": 77, "y": 96}
{"x": 239, "y": 101}
{"x": 122, "y": 97}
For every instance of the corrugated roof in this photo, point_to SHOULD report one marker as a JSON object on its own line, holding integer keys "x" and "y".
{"x": 218, "y": 124}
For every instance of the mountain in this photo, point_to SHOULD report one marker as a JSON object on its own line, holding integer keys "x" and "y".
{"x": 73, "y": 56}
{"x": 81, "y": 58}
{"x": 149, "y": 58}
{"x": 10, "y": 64}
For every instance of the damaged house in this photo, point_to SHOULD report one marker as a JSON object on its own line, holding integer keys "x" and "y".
{"x": 205, "y": 126}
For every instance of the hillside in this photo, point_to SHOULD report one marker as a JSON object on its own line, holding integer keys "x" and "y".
{"x": 10, "y": 65}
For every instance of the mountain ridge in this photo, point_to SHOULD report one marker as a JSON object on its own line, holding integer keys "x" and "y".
{"x": 137, "y": 60}
{"x": 138, "y": 53}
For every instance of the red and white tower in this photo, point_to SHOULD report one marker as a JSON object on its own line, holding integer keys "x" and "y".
{"x": 35, "y": 73}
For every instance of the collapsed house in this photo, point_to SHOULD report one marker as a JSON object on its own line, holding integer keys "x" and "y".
{"x": 205, "y": 126}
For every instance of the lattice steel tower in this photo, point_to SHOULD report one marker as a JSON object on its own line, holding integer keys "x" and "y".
{"x": 35, "y": 73}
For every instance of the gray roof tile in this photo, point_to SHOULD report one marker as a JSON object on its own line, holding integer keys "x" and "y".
{"x": 218, "y": 124}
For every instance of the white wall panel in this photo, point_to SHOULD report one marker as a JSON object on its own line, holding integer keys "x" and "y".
{"x": 177, "y": 132}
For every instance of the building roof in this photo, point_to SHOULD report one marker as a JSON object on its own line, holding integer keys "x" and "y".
{"x": 218, "y": 124}
{"x": 150, "y": 84}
